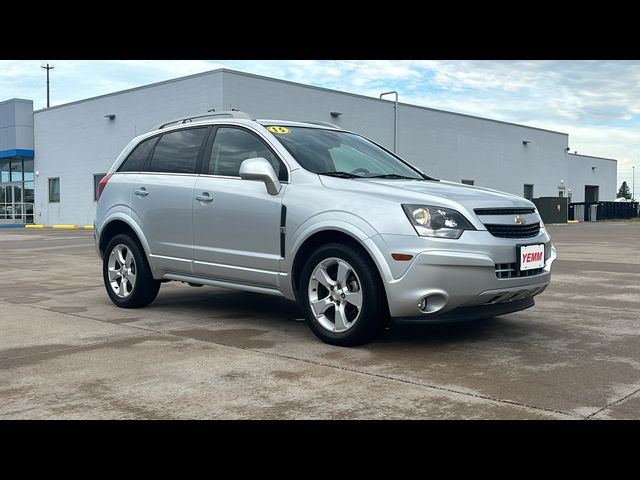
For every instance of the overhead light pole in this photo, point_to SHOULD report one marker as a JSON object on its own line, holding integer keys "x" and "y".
{"x": 47, "y": 68}
{"x": 395, "y": 120}
{"x": 633, "y": 182}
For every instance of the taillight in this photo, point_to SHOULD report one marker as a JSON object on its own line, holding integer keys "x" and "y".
{"x": 102, "y": 184}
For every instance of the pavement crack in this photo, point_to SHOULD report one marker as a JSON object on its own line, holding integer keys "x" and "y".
{"x": 78, "y": 315}
{"x": 612, "y": 404}
{"x": 84, "y": 346}
{"x": 390, "y": 378}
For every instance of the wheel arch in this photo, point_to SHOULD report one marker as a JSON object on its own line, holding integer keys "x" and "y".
{"x": 121, "y": 224}
{"x": 335, "y": 235}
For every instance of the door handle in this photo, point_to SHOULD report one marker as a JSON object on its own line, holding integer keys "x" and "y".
{"x": 142, "y": 192}
{"x": 205, "y": 197}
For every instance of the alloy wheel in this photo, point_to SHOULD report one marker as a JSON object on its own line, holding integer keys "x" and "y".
{"x": 122, "y": 271}
{"x": 335, "y": 295}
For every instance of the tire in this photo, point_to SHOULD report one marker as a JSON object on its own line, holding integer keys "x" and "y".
{"x": 140, "y": 289}
{"x": 355, "y": 280}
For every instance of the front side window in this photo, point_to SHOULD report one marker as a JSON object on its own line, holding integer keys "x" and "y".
{"x": 54, "y": 190}
{"x": 332, "y": 152}
{"x": 232, "y": 146}
{"x": 177, "y": 152}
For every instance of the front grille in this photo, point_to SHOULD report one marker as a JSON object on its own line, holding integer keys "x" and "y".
{"x": 513, "y": 231}
{"x": 510, "y": 270}
{"x": 503, "y": 211}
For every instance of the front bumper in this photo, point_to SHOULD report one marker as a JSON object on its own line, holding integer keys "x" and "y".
{"x": 459, "y": 275}
{"x": 465, "y": 314}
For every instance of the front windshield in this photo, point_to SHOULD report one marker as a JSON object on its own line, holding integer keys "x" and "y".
{"x": 341, "y": 154}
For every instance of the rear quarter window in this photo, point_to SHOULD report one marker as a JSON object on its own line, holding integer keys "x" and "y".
{"x": 137, "y": 157}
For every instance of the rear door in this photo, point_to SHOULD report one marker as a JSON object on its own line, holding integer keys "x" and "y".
{"x": 162, "y": 197}
{"x": 236, "y": 223}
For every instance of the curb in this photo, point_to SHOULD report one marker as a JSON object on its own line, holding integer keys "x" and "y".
{"x": 57, "y": 227}
{"x": 68, "y": 227}
{"x": 573, "y": 222}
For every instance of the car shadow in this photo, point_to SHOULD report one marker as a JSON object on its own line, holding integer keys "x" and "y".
{"x": 463, "y": 331}
{"x": 269, "y": 311}
{"x": 223, "y": 303}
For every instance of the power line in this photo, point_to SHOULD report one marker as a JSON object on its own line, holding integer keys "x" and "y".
{"x": 47, "y": 68}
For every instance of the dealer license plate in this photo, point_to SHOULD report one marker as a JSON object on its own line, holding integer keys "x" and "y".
{"x": 531, "y": 256}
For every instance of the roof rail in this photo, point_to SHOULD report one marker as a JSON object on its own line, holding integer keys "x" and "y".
{"x": 204, "y": 116}
{"x": 323, "y": 124}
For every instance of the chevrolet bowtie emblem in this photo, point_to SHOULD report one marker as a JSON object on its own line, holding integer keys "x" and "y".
{"x": 520, "y": 220}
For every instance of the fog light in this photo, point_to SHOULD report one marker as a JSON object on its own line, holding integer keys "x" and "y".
{"x": 433, "y": 302}
{"x": 422, "y": 304}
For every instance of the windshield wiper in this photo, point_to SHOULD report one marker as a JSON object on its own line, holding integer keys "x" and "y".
{"x": 394, "y": 175}
{"x": 340, "y": 174}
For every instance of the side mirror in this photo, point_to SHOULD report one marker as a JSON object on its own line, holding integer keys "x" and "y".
{"x": 260, "y": 169}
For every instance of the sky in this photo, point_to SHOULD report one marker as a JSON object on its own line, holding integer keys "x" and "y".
{"x": 596, "y": 102}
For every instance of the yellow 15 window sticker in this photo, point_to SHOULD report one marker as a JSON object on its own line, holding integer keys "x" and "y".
{"x": 274, "y": 129}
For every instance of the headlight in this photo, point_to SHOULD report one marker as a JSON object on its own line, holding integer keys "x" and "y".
{"x": 439, "y": 222}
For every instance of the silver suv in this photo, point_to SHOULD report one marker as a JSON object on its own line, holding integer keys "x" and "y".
{"x": 316, "y": 214}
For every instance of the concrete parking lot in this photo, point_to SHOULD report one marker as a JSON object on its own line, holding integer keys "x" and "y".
{"x": 67, "y": 352}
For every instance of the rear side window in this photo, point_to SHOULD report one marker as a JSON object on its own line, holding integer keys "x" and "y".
{"x": 232, "y": 146}
{"x": 135, "y": 160}
{"x": 177, "y": 152}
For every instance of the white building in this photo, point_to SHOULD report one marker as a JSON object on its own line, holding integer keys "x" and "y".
{"x": 76, "y": 143}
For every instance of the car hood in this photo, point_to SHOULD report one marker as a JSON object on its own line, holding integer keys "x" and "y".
{"x": 439, "y": 193}
{"x": 466, "y": 195}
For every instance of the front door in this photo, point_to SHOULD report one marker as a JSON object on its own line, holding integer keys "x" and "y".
{"x": 236, "y": 223}
{"x": 11, "y": 203}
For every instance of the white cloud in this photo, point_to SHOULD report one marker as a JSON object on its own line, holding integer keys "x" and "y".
{"x": 594, "y": 101}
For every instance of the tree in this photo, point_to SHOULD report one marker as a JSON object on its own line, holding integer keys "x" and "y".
{"x": 624, "y": 191}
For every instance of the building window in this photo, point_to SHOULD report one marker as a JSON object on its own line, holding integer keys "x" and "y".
{"x": 528, "y": 191}
{"x": 96, "y": 181}
{"x": 54, "y": 190}
{"x": 16, "y": 170}
{"x": 467, "y": 182}
{"x": 28, "y": 171}
{"x": 4, "y": 171}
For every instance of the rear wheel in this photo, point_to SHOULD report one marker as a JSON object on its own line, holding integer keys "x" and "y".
{"x": 342, "y": 296}
{"x": 126, "y": 273}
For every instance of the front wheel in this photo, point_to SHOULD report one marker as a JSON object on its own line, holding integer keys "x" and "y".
{"x": 126, "y": 273}
{"x": 342, "y": 296}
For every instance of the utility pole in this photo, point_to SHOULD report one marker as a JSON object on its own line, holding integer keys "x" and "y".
{"x": 47, "y": 68}
{"x": 633, "y": 174}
